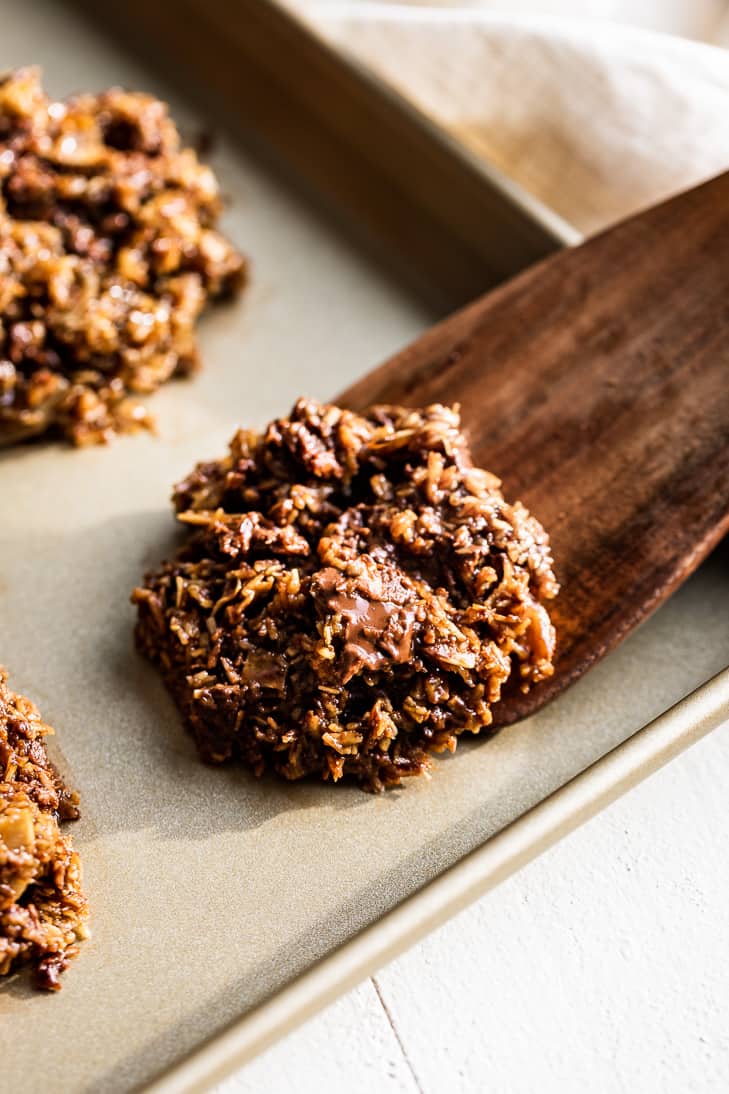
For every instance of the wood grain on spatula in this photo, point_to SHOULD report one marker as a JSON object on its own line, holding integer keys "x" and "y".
{"x": 596, "y": 384}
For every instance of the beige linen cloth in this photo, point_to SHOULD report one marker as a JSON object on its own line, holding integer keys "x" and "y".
{"x": 596, "y": 118}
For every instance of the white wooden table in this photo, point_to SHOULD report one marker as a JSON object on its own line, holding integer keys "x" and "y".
{"x": 603, "y": 966}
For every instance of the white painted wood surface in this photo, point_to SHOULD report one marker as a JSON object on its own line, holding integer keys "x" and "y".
{"x": 602, "y": 966}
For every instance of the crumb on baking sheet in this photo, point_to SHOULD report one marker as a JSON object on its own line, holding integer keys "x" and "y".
{"x": 108, "y": 253}
{"x": 352, "y": 596}
{"x": 42, "y": 908}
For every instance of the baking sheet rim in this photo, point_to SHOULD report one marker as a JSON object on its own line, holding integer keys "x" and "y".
{"x": 580, "y": 799}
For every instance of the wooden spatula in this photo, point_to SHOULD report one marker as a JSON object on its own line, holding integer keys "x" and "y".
{"x": 596, "y": 385}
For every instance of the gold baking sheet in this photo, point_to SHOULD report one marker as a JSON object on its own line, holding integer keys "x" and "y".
{"x": 211, "y": 891}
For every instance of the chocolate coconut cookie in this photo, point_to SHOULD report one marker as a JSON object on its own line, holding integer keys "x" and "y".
{"x": 108, "y": 253}
{"x": 353, "y": 595}
{"x": 42, "y": 907}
